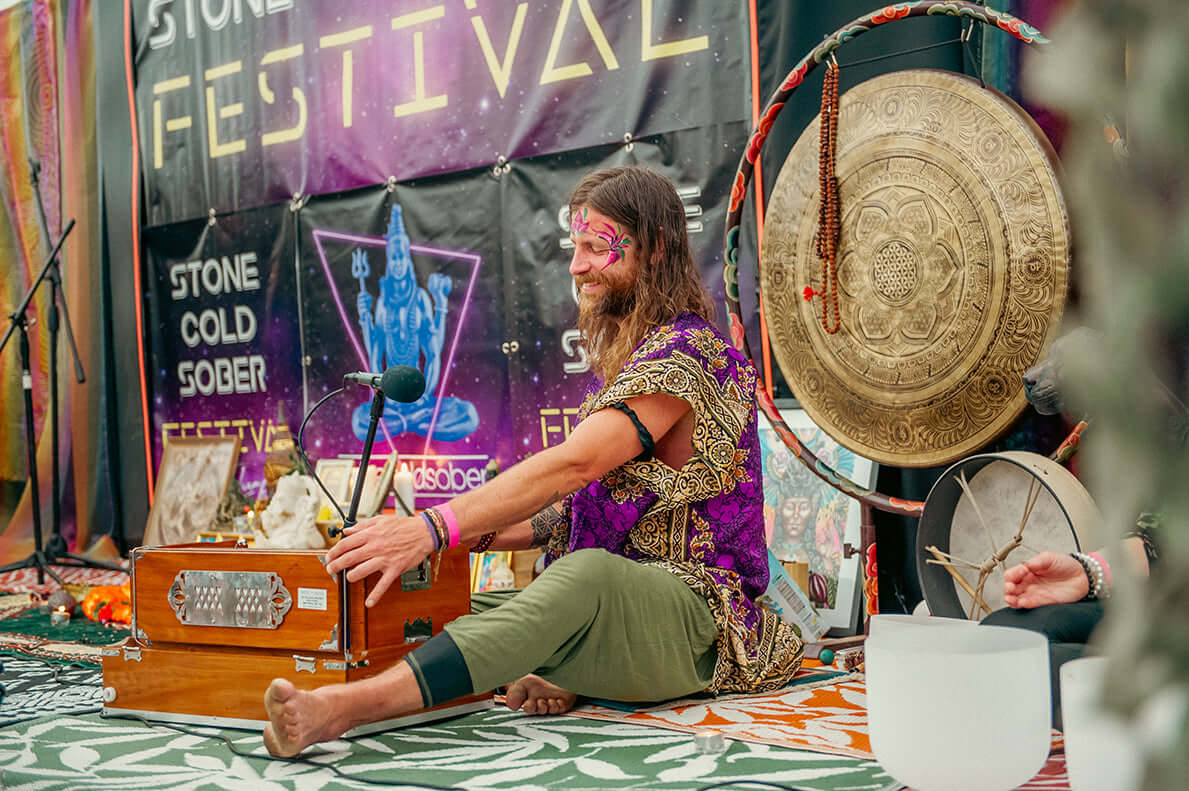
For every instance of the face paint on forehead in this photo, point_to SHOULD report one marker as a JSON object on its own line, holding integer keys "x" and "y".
{"x": 617, "y": 240}
{"x": 579, "y": 223}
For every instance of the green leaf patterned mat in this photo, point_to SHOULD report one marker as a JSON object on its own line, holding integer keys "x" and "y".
{"x": 494, "y": 749}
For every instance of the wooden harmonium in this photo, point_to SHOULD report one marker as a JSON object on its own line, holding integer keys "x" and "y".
{"x": 213, "y": 624}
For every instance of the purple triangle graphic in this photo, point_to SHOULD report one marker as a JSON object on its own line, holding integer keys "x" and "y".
{"x": 322, "y": 235}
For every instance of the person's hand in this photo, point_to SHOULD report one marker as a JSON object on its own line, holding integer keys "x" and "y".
{"x": 388, "y": 545}
{"x": 363, "y": 305}
{"x": 1047, "y": 578}
{"x": 439, "y": 286}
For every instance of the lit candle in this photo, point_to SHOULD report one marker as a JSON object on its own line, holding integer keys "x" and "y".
{"x": 402, "y": 482}
{"x": 59, "y": 617}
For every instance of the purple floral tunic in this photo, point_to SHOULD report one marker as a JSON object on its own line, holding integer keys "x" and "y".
{"x": 704, "y": 522}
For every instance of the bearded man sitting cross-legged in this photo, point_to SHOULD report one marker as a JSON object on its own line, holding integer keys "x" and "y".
{"x": 651, "y": 512}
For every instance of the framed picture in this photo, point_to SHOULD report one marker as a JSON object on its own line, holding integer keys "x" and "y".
{"x": 491, "y": 571}
{"x": 809, "y": 521}
{"x": 191, "y": 483}
{"x": 336, "y": 476}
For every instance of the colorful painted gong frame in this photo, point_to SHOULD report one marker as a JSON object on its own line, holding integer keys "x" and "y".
{"x": 956, "y": 8}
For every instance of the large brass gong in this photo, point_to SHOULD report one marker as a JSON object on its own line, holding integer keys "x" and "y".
{"x": 952, "y": 268}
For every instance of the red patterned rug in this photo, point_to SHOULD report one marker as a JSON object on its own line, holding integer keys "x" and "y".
{"x": 25, "y": 580}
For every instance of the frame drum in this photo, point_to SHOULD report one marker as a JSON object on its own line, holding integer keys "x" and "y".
{"x": 1003, "y": 492}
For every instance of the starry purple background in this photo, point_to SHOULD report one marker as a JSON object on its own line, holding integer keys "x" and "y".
{"x": 475, "y": 128}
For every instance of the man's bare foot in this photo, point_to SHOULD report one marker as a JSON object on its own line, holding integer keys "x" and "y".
{"x": 534, "y": 695}
{"x": 297, "y": 719}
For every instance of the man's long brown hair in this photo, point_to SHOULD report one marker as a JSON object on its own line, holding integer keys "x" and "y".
{"x": 667, "y": 282}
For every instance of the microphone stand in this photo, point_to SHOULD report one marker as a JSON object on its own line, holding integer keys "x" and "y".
{"x": 19, "y": 322}
{"x": 56, "y": 549}
{"x": 378, "y": 400}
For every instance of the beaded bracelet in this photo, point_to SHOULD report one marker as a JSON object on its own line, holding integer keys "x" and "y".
{"x": 1099, "y": 589}
{"x": 484, "y": 543}
{"x": 1106, "y": 568}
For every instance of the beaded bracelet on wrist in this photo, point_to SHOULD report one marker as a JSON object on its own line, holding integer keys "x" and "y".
{"x": 1099, "y": 589}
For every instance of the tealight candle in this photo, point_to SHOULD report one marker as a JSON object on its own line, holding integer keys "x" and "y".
{"x": 59, "y": 617}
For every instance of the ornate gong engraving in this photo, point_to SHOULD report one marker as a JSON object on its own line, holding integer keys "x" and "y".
{"x": 952, "y": 268}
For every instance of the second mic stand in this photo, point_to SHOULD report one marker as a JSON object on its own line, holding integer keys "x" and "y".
{"x": 40, "y": 559}
{"x": 56, "y": 549}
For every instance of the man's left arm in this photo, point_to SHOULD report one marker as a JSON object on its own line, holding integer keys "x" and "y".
{"x": 603, "y": 441}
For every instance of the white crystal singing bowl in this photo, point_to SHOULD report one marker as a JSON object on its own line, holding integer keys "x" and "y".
{"x": 892, "y": 622}
{"x": 958, "y": 707}
{"x": 1101, "y": 752}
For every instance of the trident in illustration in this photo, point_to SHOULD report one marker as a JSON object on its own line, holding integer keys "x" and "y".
{"x": 359, "y": 268}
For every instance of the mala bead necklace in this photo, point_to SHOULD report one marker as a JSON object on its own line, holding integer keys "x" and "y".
{"x": 829, "y": 222}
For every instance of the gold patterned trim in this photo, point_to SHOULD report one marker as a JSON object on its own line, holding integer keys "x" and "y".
{"x": 720, "y": 415}
{"x": 777, "y": 648}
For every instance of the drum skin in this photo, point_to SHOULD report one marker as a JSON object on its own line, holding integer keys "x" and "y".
{"x": 1063, "y": 519}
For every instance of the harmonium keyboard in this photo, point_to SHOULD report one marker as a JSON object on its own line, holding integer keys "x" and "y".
{"x": 214, "y": 624}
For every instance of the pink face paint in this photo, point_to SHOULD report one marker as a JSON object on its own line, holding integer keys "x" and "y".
{"x": 579, "y": 224}
{"x": 617, "y": 240}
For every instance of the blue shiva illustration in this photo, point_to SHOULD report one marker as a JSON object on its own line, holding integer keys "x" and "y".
{"x": 408, "y": 327}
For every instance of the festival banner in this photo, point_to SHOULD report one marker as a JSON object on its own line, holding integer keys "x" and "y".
{"x": 410, "y": 276}
{"x": 241, "y": 103}
{"x": 223, "y": 332}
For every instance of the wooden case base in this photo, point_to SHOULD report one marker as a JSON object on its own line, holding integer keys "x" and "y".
{"x": 225, "y": 686}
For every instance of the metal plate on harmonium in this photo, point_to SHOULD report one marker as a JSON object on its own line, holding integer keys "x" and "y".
{"x": 989, "y": 512}
{"x": 952, "y": 267}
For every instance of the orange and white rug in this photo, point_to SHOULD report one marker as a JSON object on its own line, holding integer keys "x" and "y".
{"x": 828, "y": 716}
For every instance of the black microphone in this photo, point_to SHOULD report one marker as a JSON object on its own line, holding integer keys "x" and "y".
{"x": 402, "y": 383}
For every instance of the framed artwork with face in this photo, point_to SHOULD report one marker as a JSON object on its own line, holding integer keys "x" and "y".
{"x": 809, "y": 521}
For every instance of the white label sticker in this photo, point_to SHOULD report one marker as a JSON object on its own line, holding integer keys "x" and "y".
{"x": 311, "y": 598}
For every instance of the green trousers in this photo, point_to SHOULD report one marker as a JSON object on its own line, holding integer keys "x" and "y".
{"x": 595, "y": 624}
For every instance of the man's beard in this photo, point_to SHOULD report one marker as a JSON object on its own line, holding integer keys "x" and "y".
{"x": 616, "y": 302}
{"x": 599, "y": 316}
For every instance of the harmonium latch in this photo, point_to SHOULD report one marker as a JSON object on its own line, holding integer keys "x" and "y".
{"x": 417, "y": 578}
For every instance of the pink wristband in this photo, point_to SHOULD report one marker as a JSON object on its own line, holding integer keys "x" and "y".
{"x": 452, "y": 529}
{"x": 1106, "y": 569}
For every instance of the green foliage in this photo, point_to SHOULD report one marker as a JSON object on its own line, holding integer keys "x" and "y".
{"x": 1127, "y": 59}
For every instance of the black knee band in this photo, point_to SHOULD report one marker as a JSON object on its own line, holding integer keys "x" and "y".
{"x": 440, "y": 670}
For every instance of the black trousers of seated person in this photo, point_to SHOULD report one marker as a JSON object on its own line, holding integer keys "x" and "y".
{"x": 1068, "y": 628}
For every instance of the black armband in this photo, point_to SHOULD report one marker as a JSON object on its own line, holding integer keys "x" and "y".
{"x": 642, "y": 432}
